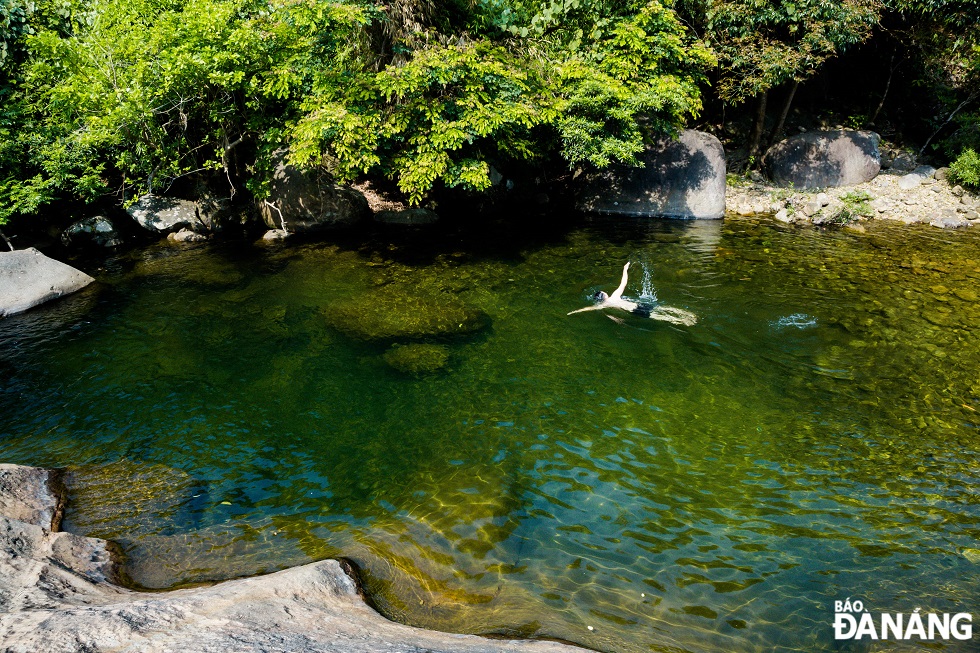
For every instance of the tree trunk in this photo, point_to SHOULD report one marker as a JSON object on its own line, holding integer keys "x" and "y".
{"x": 760, "y": 123}
{"x": 778, "y": 130}
{"x": 9, "y": 244}
{"x": 884, "y": 96}
{"x": 948, "y": 119}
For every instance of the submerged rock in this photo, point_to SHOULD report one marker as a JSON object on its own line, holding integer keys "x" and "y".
{"x": 97, "y": 230}
{"x": 683, "y": 178}
{"x": 191, "y": 265}
{"x": 821, "y": 159}
{"x": 389, "y": 315}
{"x": 58, "y": 593}
{"x": 127, "y": 499}
{"x": 303, "y": 201}
{"x": 29, "y": 278}
{"x": 417, "y": 358}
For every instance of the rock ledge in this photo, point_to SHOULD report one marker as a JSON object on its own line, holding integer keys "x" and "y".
{"x": 57, "y": 595}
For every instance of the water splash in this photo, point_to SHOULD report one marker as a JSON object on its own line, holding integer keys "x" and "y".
{"x": 647, "y": 291}
{"x": 798, "y": 320}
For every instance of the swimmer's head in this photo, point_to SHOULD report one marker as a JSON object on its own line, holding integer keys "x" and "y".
{"x": 600, "y": 297}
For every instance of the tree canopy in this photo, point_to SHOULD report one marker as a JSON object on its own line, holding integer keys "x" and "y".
{"x": 118, "y": 98}
{"x": 126, "y": 96}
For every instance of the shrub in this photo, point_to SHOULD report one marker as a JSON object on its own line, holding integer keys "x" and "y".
{"x": 965, "y": 170}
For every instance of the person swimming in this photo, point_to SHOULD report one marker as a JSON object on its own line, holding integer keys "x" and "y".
{"x": 642, "y": 309}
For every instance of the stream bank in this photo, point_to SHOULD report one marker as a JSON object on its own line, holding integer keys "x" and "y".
{"x": 59, "y": 593}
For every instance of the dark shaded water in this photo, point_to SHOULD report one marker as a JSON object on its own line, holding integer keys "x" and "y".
{"x": 710, "y": 488}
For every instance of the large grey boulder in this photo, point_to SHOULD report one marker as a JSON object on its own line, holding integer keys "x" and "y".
{"x": 167, "y": 214}
{"x": 303, "y": 201}
{"x": 29, "y": 278}
{"x": 683, "y": 178}
{"x": 97, "y": 230}
{"x": 58, "y": 595}
{"x": 822, "y": 159}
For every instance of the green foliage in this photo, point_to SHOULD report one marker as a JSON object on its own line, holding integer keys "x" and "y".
{"x": 856, "y": 204}
{"x": 945, "y": 38}
{"x": 764, "y": 43}
{"x": 123, "y": 97}
{"x": 595, "y": 78}
{"x": 127, "y": 96}
{"x": 965, "y": 170}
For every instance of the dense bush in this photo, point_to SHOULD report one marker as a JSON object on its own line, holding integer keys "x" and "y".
{"x": 139, "y": 93}
{"x": 965, "y": 169}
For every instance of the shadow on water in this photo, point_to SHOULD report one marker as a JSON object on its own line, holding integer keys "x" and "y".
{"x": 709, "y": 488}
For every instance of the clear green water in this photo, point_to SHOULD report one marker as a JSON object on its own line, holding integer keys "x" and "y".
{"x": 712, "y": 488}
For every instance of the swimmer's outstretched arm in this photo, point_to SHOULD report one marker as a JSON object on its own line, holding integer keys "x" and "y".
{"x": 622, "y": 284}
{"x": 596, "y": 307}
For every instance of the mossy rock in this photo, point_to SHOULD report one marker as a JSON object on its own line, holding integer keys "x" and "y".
{"x": 397, "y": 315}
{"x": 417, "y": 358}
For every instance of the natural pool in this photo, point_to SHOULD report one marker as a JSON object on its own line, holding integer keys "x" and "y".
{"x": 709, "y": 488}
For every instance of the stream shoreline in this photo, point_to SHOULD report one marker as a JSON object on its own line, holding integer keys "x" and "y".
{"x": 62, "y": 593}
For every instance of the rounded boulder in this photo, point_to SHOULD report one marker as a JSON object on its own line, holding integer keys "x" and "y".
{"x": 682, "y": 178}
{"x": 823, "y": 159}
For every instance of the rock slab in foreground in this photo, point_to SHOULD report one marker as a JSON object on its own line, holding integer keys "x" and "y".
{"x": 57, "y": 596}
{"x": 29, "y": 278}
{"x": 683, "y": 178}
{"x": 822, "y": 159}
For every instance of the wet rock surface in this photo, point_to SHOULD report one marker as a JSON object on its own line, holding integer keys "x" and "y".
{"x": 57, "y": 595}
{"x": 683, "y": 178}
{"x": 29, "y": 278}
